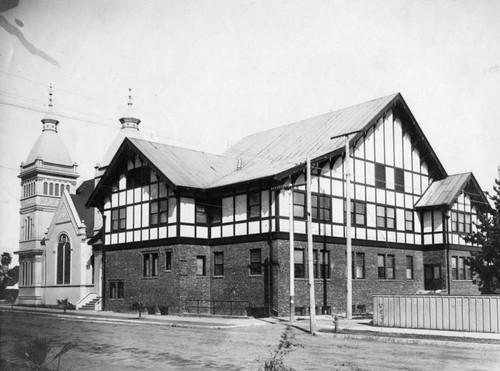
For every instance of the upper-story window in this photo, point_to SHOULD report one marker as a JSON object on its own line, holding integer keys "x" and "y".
{"x": 380, "y": 180}
{"x": 254, "y": 205}
{"x": 118, "y": 219}
{"x": 138, "y": 177}
{"x": 51, "y": 189}
{"x": 215, "y": 211}
{"x": 386, "y": 217}
{"x": 57, "y": 190}
{"x": 158, "y": 212}
{"x": 408, "y": 220}
{"x": 45, "y": 188}
{"x": 399, "y": 180}
{"x": 460, "y": 222}
{"x": 321, "y": 208}
{"x": 201, "y": 214}
{"x": 358, "y": 213}
{"x": 299, "y": 205}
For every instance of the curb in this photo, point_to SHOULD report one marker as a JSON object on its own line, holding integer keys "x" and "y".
{"x": 130, "y": 321}
{"x": 467, "y": 343}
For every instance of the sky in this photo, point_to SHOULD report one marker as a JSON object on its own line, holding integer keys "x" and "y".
{"x": 204, "y": 74}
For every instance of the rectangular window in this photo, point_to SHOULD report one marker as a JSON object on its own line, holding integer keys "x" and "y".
{"x": 380, "y": 181}
{"x": 254, "y": 205}
{"x": 399, "y": 180}
{"x": 299, "y": 263}
{"x": 409, "y": 221}
{"x": 321, "y": 207}
{"x": 150, "y": 266}
{"x": 118, "y": 219}
{"x": 391, "y": 267}
{"x": 215, "y": 211}
{"x": 138, "y": 177}
{"x": 168, "y": 260}
{"x": 461, "y": 223}
{"x": 381, "y": 266}
{"x": 201, "y": 214}
{"x": 255, "y": 262}
{"x": 158, "y": 212}
{"x": 321, "y": 263}
{"x": 454, "y": 268}
{"x": 461, "y": 268}
{"x": 299, "y": 202}
{"x": 200, "y": 265}
{"x": 409, "y": 267}
{"x": 358, "y": 213}
{"x": 386, "y": 266}
{"x": 454, "y": 225}
{"x": 116, "y": 290}
{"x": 358, "y": 265}
{"x": 218, "y": 263}
{"x": 468, "y": 223}
{"x": 386, "y": 217}
{"x": 468, "y": 270}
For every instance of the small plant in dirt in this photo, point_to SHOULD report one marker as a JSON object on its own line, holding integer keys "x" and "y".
{"x": 276, "y": 360}
{"x": 139, "y": 306}
{"x": 64, "y": 304}
{"x": 35, "y": 354}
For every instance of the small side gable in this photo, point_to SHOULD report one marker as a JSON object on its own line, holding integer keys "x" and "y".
{"x": 66, "y": 213}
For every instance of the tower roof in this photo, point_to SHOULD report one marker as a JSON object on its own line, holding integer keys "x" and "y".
{"x": 49, "y": 146}
{"x": 130, "y": 129}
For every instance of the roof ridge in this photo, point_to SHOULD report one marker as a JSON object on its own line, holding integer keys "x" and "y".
{"x": 317, "y": 116}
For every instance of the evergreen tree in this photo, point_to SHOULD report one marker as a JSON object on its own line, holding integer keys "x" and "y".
{"x": 485, "y": 264}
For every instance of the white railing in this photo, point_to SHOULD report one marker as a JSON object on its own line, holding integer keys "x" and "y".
{"x": 98, "y": 305}
{"x": 85, "y": 300}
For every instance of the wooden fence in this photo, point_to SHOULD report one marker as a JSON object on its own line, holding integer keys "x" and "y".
{"x": 439, "y": 312}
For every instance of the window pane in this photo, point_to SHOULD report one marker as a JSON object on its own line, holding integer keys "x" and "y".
{"x": 379, "y": 175}
{"x": 168, "y": 260}
{"x": 200, "y": 265}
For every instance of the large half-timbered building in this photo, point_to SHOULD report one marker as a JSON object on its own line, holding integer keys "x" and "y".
{"x": 194, "y": 231}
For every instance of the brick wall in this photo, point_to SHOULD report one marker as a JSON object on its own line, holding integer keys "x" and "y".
{"x": 331, "y": 292}
{"x": 462, "y": 287}
{"x": 182, "y": 290}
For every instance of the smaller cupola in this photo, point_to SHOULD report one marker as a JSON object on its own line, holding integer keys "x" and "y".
{"x": 129, "y": 120}
{"x": 49, "y": 122}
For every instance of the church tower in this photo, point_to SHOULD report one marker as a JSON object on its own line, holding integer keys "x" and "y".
{"x": 46, "y": 173}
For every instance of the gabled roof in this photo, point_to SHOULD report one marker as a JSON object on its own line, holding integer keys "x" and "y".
{"x": 274, "y": 152}
{"x": 185, "y": 167}
{"x": 446, "y": 191}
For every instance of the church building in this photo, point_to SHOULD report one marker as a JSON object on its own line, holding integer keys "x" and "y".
{"x": 201, "y": 233}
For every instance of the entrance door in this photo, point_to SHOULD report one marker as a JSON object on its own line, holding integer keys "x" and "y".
{"x": 432, "y": 277}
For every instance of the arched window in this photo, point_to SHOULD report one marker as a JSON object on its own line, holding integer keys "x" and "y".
{"x": 51, "y": 189}
{"x": 63, "y": 260}
{"x": 45, "y": 188}
{"x": 57, "y": 189}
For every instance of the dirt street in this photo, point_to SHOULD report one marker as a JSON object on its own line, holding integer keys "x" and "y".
{"x": 123, "y": 346}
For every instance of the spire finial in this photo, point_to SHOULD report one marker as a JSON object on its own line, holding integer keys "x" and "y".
{"x": 51, "y": 92}
{"x": 129, "y": 96}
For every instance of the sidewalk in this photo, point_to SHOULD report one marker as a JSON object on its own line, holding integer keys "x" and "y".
{"x": 362, "y": 329}
{"x": 355, "y": 328}
{"x": 132, "y": 318}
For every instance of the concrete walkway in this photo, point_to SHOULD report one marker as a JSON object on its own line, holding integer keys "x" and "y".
{"x": 324, "y": 323}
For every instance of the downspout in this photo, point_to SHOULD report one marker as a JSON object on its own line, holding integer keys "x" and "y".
{"x": 103, "y": 263}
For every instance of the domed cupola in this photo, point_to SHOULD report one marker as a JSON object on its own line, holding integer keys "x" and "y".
{"x": 130, "y": 128}
{"x": 49, "y": 147}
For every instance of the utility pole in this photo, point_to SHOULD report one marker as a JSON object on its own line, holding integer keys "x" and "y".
{"x": 348, "y": 221}
{"x": 312, "y": 301}
{"x": 292, "y": 258}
